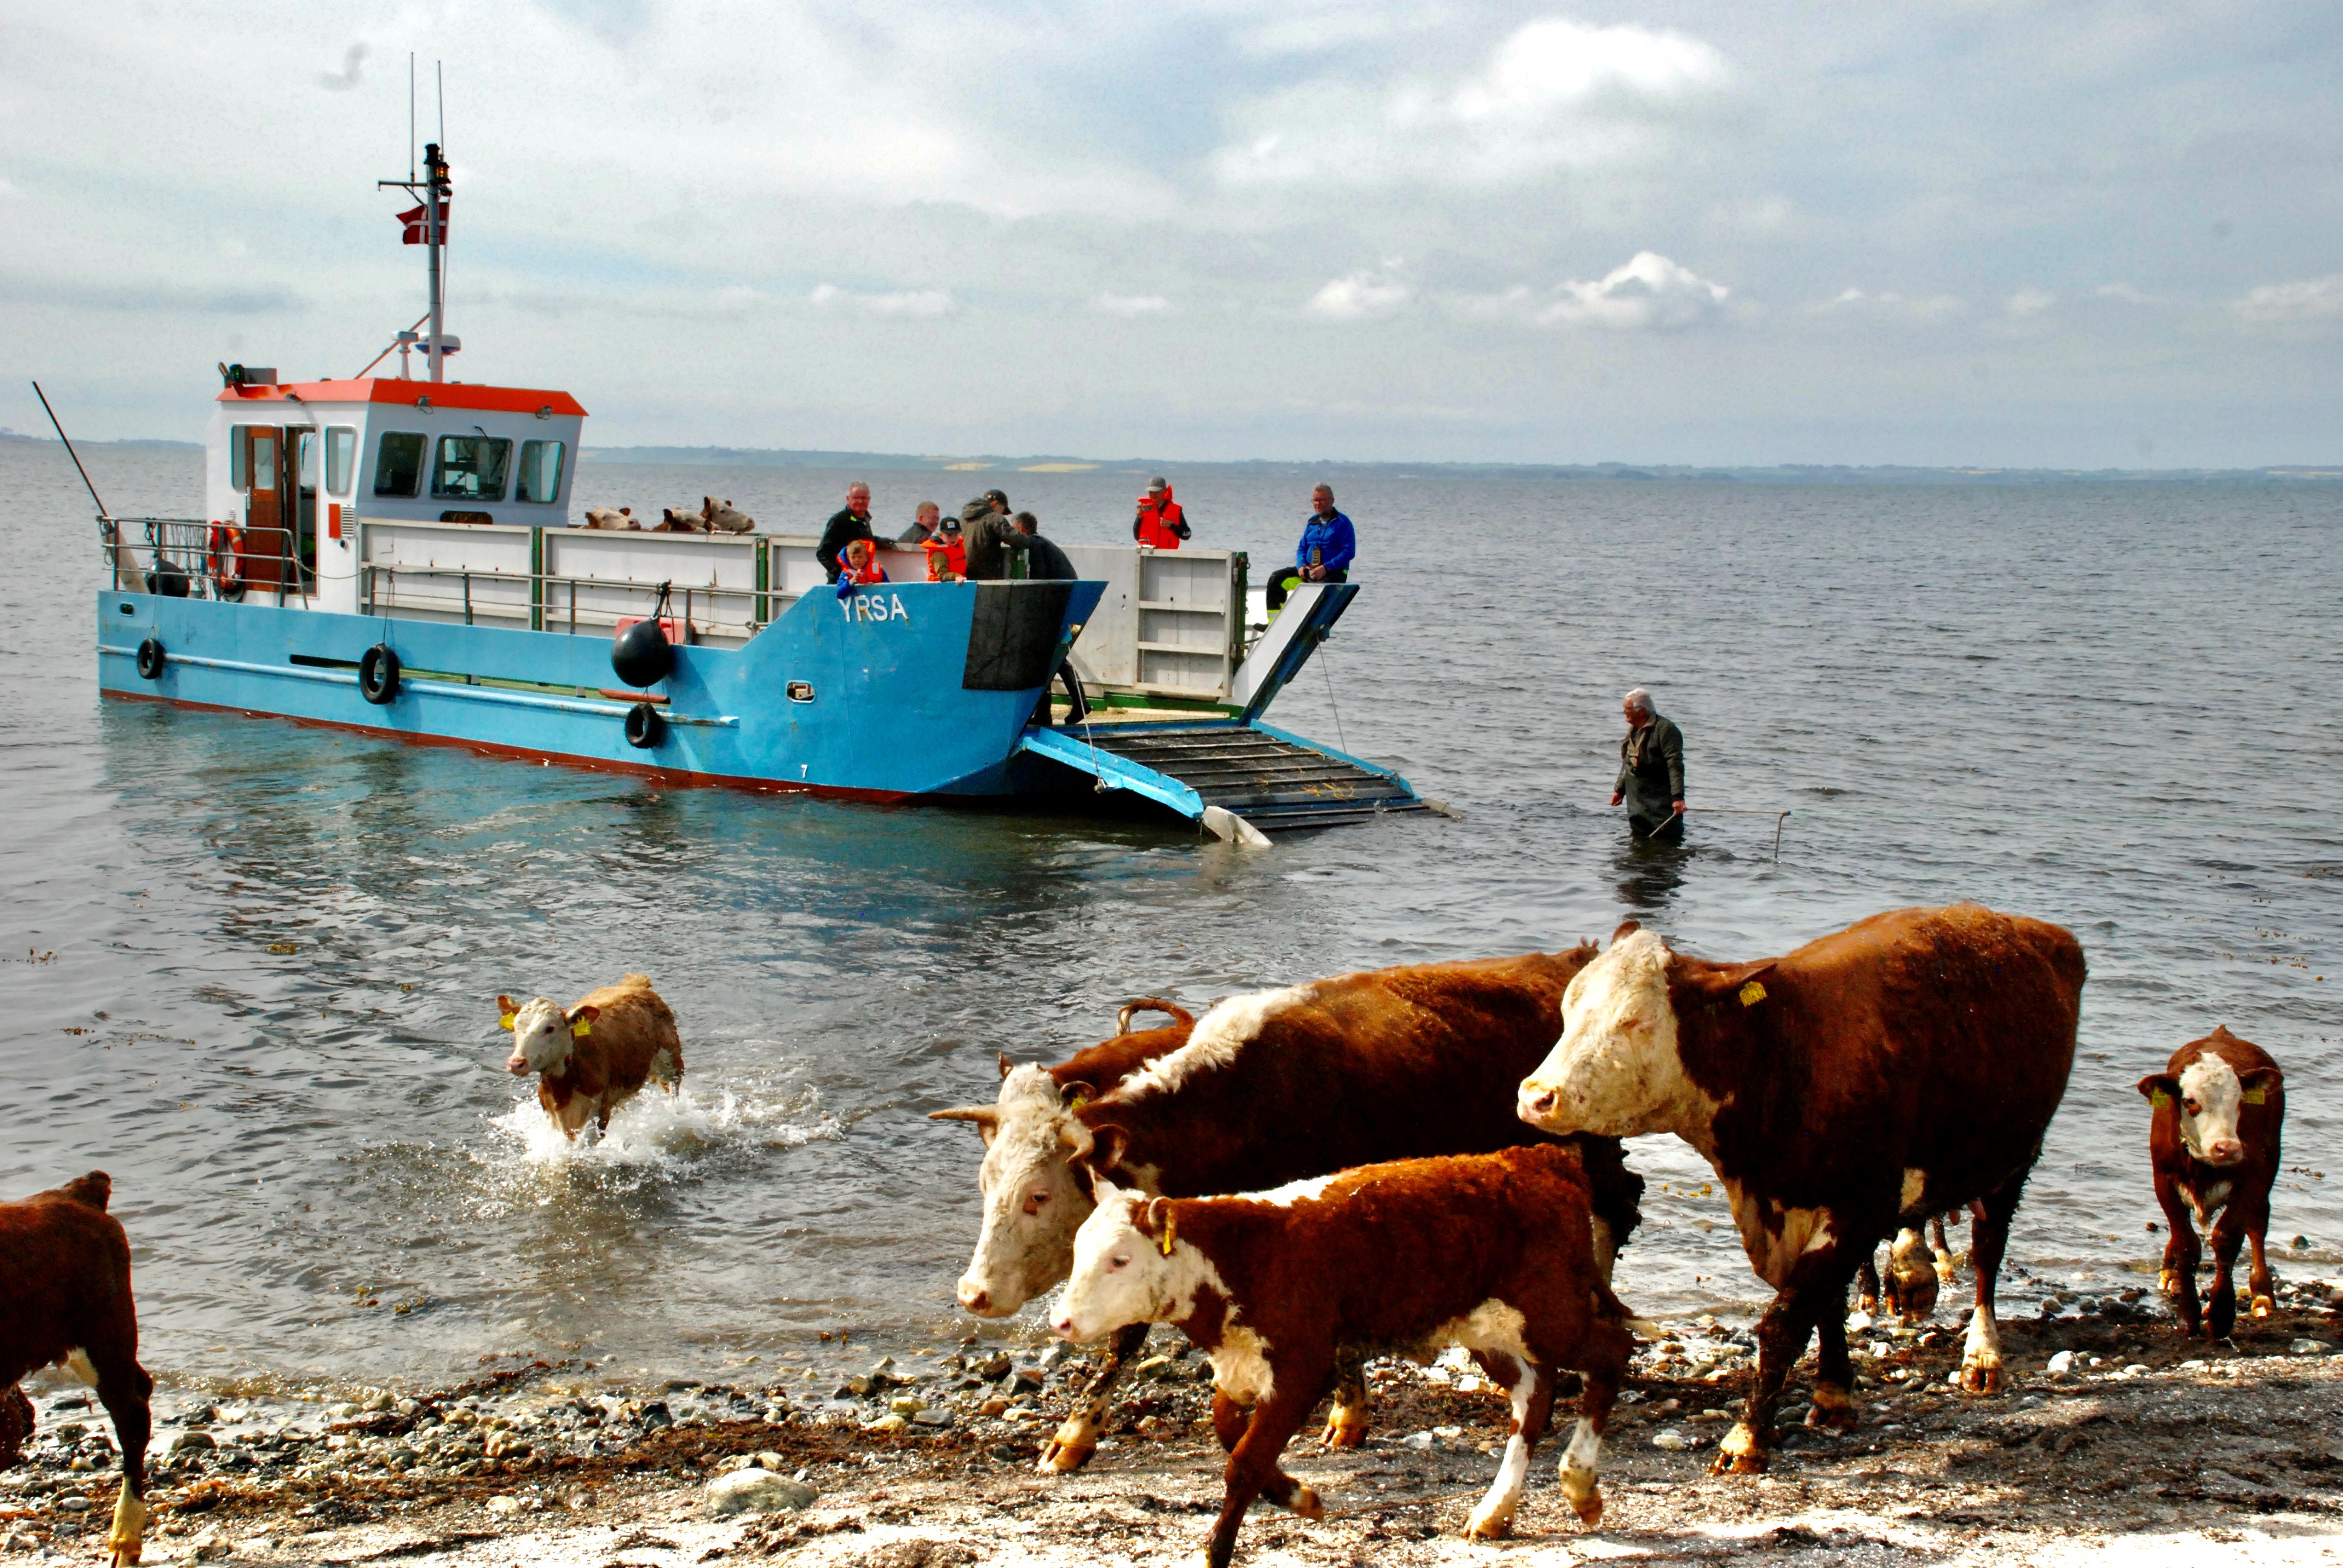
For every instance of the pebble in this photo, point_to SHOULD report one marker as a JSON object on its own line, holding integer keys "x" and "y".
{"x": 757, "y": 1490}
{"x": 2309, "y": 1347}
{"x": 1673, "y": 1441}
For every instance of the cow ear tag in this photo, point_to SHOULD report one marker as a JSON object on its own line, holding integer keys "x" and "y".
{"x": 1170, "y": 1229}
{"x": 581, "y": 1028}
{"x": 2159, "y": 1099}
{"x": 1751, "y": 994}
{"x": 2257, "y": 1097}
{"x": 507, "y": 1021}
{"x": 1078, "y": 1101}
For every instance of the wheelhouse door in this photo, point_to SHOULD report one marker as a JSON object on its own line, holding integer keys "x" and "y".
{"x": 267, "y": 541}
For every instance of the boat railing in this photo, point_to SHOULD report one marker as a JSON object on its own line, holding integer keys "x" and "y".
{"x": 189, "y": 558}
{"x": 550, "y": 601}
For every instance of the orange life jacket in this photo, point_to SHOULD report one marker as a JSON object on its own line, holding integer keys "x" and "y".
{"x": 1158, "y": 523}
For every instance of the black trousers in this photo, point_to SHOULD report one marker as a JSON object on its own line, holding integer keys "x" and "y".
{"x": 1286, "y": 581}
{"x": 1671, "y": 832}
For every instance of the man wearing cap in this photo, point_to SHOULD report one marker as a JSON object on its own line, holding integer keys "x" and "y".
{"x": 846, "y": 526}
{"x": 1651, "y": 782}
{"x": 1160, "y": 524}
{"x": 991, "y": 538}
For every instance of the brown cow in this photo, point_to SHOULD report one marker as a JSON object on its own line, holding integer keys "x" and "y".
{"x": 1494, "y": 1252}
{"x": 1866, "y": 1081}
{"x": 64, "y": 1299}
{"x": 2221, "y": 1106}
{"x": 596, "y": 1056}
{"x": 1265, "y": 1089}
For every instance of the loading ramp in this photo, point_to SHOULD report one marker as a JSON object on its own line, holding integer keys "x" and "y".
{"x": 1241, "y": 780}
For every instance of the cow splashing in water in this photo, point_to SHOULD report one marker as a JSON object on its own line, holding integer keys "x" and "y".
{"x": 594, "y": 1056}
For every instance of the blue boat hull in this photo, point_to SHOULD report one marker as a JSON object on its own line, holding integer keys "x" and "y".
{"x": 906, "y": 689}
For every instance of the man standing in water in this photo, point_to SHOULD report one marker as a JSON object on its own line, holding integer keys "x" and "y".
{"x": 1650, "y": 771}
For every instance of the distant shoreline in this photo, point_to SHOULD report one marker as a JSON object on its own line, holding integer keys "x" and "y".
{"x": 1777, "y": 474}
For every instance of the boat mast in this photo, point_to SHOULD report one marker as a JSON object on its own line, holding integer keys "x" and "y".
{"x": 434, "y": 238}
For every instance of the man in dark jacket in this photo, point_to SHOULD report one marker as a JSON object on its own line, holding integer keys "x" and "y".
{"x": 1650, "y": 771}
{"x": 925, "y": 524}
{"x": 1044, "y": 561}
{"x": 990, "y": 536}
{"x": 845, "y": 527}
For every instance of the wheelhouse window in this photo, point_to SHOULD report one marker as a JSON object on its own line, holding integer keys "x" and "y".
{"x": 399, "y": 462}
{"x": 539, "y": 481}
{"x": 341, "y": 458}
{"x": 470, "y": 468}
{"x": 262, "y": 461}
{"x": 236, "y": 479}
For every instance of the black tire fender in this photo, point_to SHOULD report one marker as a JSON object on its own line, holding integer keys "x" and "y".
{"x": 378, "y": 674}
{"x": 644, "y": 728}
{"x": 151, "y": 659}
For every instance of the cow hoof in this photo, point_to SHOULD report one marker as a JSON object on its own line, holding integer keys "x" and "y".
{"x": 1493, "y": 1528}
{"x": 1867, "y": 1305}
{"x": 1983, "y": 1378}
{"x": 2168, "y": 1283}
{"x": 1588, "y": 1508}
{"x": 1304, "y": 1502}
{"x": 1842, "y": 1417}
{"x": 1059, "y": 1455}
{"x": 1345, "y": 1428}
{"x": 2264, "y": 1306}
{"x": 1739, "y": 1464}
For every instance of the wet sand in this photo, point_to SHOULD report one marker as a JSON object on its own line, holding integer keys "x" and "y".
{"x": 2148, "y": 1448}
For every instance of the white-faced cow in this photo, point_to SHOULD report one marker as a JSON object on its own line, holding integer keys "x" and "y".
{"x": 2213, "y": 1140}
{"x": 65, "y": 1300}
{"x": 1494, "y": 1252}
{"x": 1274, "y": 1087}
{"x": 593, "y": 1057}
{"x": 1907, "y": 1064}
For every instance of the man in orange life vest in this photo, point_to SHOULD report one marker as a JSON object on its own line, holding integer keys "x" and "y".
{"x": 1160, "y": 524}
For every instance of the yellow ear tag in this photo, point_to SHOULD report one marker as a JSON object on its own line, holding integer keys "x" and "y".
{"x": 1751, "y": 994}
{"x": 2158, "y": 1099}
{"x": 581, "y": 1028}
{"x": 1170, "y": 1229}
{"x": 1078, "y": 1101}
{"x": 2257, "y": 1097}
{"x": 506, "y": 1021}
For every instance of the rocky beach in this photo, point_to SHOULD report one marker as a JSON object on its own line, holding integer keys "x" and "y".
{"x": 2115, "y": 1440}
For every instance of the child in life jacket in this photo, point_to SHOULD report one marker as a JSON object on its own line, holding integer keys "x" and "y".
{"x": 859, "y": 563}
{"x": 947, "y": 554}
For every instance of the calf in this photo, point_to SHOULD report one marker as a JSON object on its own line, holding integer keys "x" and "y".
{"x": 617, "y": 518}
{"x": 1494, "y": 1252}
{"x": 1274, "y": 1087}
{"x": 64, "y": 1297}
{"x": 1867, "y": 1081}
{"x": 722, "y": 518}
{"x": 596, "y": 1056}
{"x": 2213, "y": 1142}
{"x": 674, "y": 522}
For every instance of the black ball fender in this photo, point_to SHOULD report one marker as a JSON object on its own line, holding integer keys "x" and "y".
{"x": 378, "y": 674}
{"x": 644, "y": 728}
{"x": 641, "y": 654}
{"x": 151, "y": 659}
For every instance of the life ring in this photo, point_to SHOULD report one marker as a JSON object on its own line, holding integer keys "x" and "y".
{"x": 224, "y": 561}
{"x": 644, "y": 728}
{"x": 151, "y": 659}
{"x": 378, "y": 674}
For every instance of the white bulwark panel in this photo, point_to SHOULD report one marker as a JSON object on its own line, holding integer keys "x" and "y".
{"x": 1171, "y": 622}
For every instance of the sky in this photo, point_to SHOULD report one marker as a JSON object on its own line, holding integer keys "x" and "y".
{"x": 1938, "y": 232}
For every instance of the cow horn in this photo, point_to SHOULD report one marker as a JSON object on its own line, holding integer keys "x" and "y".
{"x": 983, "y": 1115}
{"x": 1173, "y": 1010}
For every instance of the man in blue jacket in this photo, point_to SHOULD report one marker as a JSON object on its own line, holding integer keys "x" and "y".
{"x": 1325, "y": 554}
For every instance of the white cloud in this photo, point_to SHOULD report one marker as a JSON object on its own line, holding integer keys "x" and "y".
{"x": 1649, "y": 291}
{"x": 8, "y": 190}
{"x": 2313, "y": 300}
{"x": 1358, "y": 295}
{"x": 919, "y": 305}
{"x": 1132, "y": 306}
{"x": 2125, "y": 294}
{"x": 1932, "y": 308}
{"x": 1554, "y": 93}
{"x": 2031, "y": 301}
{"x": 349, "y": 75}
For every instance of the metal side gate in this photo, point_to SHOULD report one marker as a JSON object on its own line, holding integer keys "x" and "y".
{"x": 1241, "y": 780}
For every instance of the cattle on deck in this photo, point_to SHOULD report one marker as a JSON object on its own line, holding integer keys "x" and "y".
{"x": 65, "y": 1300}
{"x": 1901, "y": 1067}
{"x": 1269, "y": 1088}
{"x": 594, "y": 1056}
{"x": 1494, "y": 1252}
{"x": 2219, "y": 1106}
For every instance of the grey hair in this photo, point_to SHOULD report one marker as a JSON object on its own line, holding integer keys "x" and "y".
{"x": 1639, "y": 700}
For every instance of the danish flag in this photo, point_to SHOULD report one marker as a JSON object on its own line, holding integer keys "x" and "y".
{"x": 415, "y": 226}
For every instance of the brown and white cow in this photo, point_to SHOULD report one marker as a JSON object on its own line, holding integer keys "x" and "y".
{"x": 1269, "y": 1088}
{"x": 593, "y": 1057}
{"x": 65, "y": 1300}
{"x": 2219, "y": 1108}
{"x": 1907, "y": 1064}
{"x": 724, "y": 517}
{"x": 1494, "y": 1252}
